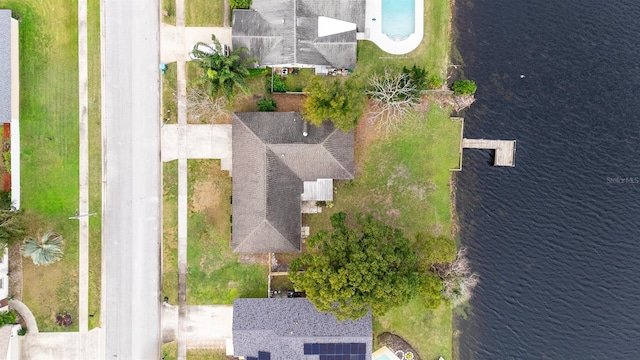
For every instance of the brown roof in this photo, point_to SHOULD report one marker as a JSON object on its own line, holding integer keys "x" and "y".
{"x": 271, "y": 160}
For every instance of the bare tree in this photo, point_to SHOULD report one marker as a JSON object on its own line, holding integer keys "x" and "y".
{"x": 393, "y": 95}
{"x": 201, "y": 106}
{"x": 458, "y": 279}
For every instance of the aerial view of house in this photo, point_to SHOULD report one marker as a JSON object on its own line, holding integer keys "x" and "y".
{"x": 270, "y": 329}
{"x": 279, "y": 161}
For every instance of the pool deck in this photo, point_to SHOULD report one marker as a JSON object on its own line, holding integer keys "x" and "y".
{"x": 380, "y": 353}
{"x": 373, "y": 29}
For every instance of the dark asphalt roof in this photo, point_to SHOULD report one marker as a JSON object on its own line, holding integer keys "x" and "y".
{"x": 286, "y": 32}
{"x": 271, "y": 160}
{"x": 5, "y": 66}
{"x": 282, "y": 326}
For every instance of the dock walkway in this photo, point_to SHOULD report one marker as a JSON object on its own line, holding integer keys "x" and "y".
{"x": 505, "y": 149}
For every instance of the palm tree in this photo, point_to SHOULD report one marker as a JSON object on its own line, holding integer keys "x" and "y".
{"x": 44, "y": 251}
{"x": 222, "y": 72}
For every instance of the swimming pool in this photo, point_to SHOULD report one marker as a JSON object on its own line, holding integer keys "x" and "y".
{"x": 398, "y": 18}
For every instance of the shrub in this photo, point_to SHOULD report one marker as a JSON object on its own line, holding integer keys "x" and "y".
{"x": 278, "y": 84}
{"x": 5, "y": 200}
{"x": 464, "y": 87}
{"x": 64, "y": 319}
{"x": 435, "y": 82}
{"x": 254, "y": 73}
{"x": 7, "y": 317}
{"x": 239, "y": 4}
{"x": 22, "y": 332}
{"x": 265, "y": 104}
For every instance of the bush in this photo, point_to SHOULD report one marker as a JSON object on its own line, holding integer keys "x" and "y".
{"x": 239, "y": 4}
{"x": 22, "y": 332}
{"x": 5, "y": 200}
{"x": 278, "y": 84}
{"x": 464, "y": 87}
{"x": 435, "y": 82}
{"x": 434, "y": 250}
{"x": 254, "y": 73}
{"x": 265, "y": 104}
{"x": 7, "y": 317}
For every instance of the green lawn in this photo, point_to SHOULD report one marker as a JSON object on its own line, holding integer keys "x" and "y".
{"x": 49, "y": 154}
{"x": 428, "y": 331}
{"x": 169, "y": 12}
{"x": 169, "y": 91}
{"x": 215, "y": 276}
{"x": 204, "y": 12}
{"x": 405, "y": 178}
{"x": 432, "y": 54}
{"x": 95, "y": 161}
{"x": 405, "y": 183}
{"x": 170, "y": 229}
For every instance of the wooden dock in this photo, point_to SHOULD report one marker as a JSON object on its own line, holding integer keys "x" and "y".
{"x": 505, "y": 149}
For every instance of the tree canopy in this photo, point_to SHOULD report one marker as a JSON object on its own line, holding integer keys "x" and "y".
{"x": 464, "y": 87}
{"x": 434, "y": 250}
{"x": 221, "y": 72}
{"x": 341, "y": 102}
{"x": 351, "y": 270}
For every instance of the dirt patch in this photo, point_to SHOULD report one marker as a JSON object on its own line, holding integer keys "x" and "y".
{"x": 207, "y": 199}
{"x": 396, "y": 344}
{"x": 456, "y": 102}
{"x": 253, "y": 259}
{"x": 289, "y": 102}
{"x": 281, "y": 262}
{"x": 365, "y": 134}
{"x": 15, "y": 271}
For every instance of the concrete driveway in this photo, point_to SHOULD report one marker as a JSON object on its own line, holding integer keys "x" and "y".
{"x": 174, "y": 47}
{"x": 203, "y": 142}
{"x": 60, "y": 345}
{"x": 206, "y": 326}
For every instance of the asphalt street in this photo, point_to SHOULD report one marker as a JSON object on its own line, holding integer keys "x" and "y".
{"x": 131, "y": 225}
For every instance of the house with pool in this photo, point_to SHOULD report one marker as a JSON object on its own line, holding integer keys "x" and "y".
{"x": 323, "y": 34}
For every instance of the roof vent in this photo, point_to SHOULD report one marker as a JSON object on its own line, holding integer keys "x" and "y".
{"x": 304, "y": 129}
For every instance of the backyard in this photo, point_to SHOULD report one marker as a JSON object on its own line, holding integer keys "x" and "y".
{"x": 402, "y": 178}
{"x": 49, "y": 154}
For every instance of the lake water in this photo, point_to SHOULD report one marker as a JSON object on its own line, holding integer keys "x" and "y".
{"x": 556, "y": 240}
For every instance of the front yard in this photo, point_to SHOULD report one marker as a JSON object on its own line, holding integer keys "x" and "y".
{"x": 49, "y": 154}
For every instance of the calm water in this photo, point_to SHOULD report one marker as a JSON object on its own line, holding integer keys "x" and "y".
{"x": 556, "y": 240}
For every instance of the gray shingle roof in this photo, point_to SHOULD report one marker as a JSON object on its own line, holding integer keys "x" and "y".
{"x": 283, "y": 326}
{"x": 286, "y": 32}
{"x": 271, "y": 161}
{"x": 5, "y": 66}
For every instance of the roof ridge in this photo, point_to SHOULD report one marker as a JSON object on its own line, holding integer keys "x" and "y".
{"x": 327, "y": 150}
{"x": 278, "y": 231}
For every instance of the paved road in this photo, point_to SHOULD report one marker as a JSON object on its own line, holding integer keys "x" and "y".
{"x": 131, "y": 228}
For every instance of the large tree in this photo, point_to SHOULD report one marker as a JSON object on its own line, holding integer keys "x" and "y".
{"x": 341, "y": 102}
{"x": 222, "y": 73}
{"x": 348, "y": 271}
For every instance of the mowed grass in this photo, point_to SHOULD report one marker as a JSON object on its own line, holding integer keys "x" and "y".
{"x": 214, "y": 274}
{"x": 428, "y": 331}
{"x": 95, "y": 161}
{"x": 170, "y": 229}
{"x": 405, "y": 177}
{"x": 432, "y": 54}
{"x": 405, "y": 183}
{"x": 204, "y": 12}
{"x": 49, "y": 154}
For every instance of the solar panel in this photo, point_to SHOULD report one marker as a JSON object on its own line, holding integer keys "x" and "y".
{"x": 337, "y": 351}
{"x": 264, "y": 355}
